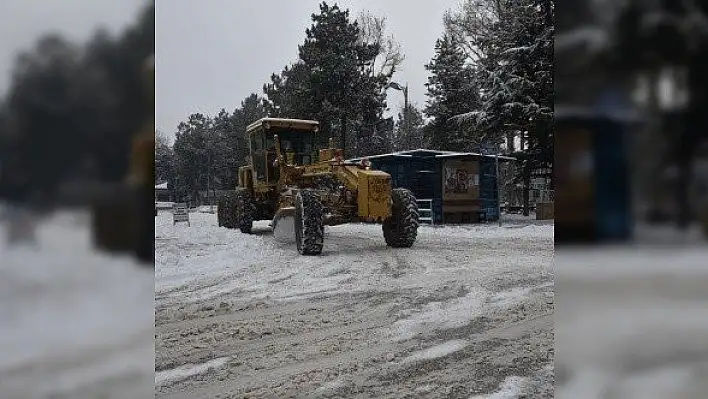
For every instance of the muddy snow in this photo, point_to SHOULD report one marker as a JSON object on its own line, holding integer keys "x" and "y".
{"x": 467, "y": 311}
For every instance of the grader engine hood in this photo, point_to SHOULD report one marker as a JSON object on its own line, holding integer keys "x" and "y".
{"x": 374, "y": 194}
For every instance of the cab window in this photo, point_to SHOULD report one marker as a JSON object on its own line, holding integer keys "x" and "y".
{"x": 257, "y": 141}
{"x": 270, "y": 142}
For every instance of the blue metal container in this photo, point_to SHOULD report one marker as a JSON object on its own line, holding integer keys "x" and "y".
{"x": 421, "y": 171}
{"x": 607, "y": 205}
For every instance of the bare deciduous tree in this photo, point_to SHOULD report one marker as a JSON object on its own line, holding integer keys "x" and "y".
{"x": 373, "y": 32}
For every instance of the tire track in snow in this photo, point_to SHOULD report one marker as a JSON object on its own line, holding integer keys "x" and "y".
{"x": 340, "y": 347}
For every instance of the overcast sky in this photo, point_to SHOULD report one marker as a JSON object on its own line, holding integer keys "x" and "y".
{"x": 24, "y": 21}
{"x": 212, "y": 54}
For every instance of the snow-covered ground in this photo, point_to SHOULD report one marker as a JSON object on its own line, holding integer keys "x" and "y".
{"x": 73, "y": 323}
{"x": 632, "y": 321}
{"x": 467, "y": 311}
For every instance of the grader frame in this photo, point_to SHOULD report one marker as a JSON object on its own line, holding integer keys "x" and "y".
{"x": 292, "y": 175}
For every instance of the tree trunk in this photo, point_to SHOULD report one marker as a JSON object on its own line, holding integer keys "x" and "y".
{"x": 527, "y": 187}
{"x": 691, "y": 136}
{"x": 651, "y": 158}
{"x": 343, "y": 137}
{"x": 683, "y": 188}
{"x": 526, "y": 173}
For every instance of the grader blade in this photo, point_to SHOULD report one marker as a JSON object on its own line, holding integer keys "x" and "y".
{"x": 284, "y": 225}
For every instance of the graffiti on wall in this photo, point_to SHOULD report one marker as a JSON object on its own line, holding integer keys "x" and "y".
{"x": 459, "y": 180}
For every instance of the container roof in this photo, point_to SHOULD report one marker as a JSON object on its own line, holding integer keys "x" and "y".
{"x": 570, "y": 113}
{"x": 474, "y": 154}
{"x": 433, "y": 154}
{"x": 283, "y": 122}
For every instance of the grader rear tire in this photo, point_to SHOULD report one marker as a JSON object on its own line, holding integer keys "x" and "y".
{"x": 244, "y": 210}
{"x": 144, "y": 248}
{"x": 226, "y": 211}
{"x": 401, "y": 228}
{"x": 121, "y": 223}
{"x": 220, "y": 210}
{"x": 309, "y": 229}
{"x": 115, "y": 220}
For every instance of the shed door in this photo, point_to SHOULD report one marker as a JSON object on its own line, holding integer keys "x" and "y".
{"x": 424, "y": 184}
{"x": 575, "y": 178}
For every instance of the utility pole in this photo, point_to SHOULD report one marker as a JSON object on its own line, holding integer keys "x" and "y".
{"x": 406, "y": 114}
{"x": 210, "y": 167}
{"x": 208, "y": 173}
{"x": 404, "y": 89}
{"x": 496, "y": 162}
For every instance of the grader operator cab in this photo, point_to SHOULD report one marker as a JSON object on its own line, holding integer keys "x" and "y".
{"x": 301, "y": 183}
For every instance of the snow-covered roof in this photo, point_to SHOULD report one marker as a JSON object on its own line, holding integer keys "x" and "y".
{"x": 438, "y": 152}
{"x": 474, "y": 154}
{"x": 620, "y": 116}
{"x": 434, "y": 153}
{"x": 595, "y": 38}
{"x": 281, "y": 122}
{"x": 406, "y": 153}
{"x": 162, "y": 186}
{"x": 391, "y": 154}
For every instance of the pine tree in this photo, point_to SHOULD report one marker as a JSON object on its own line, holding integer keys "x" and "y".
{"x": 409, "y": 135}
{"x": 252, "y": 108}
{"x": 208, "y": 151}
{"x": 336, "y": 80}
{"x": 223, "y": 162}
{"x": 163, "y": 158}
{"x": 513, "y": 42}
{"x": 451, "y": 91}
{"x": 191, "y": 155}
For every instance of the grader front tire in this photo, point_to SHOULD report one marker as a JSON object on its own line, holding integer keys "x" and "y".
{"x": 309, "y": 227}
{"x": 401, "y": 228}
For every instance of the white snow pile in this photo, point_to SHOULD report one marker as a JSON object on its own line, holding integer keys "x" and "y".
{"x": 458, "y": 312}
{"x": 188, "y": 370}
{"x": 203, "y": 262}
{"x": 511, "y": 231}
{"x": 437, "y": 351}
{"x": 511, "y": 388}
{"x": 328, "y": 389}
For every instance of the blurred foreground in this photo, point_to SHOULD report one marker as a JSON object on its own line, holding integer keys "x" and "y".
{"x": 75, "y": 322}
{"x": 632, "y": 321}
{"x": 632, "y": 318}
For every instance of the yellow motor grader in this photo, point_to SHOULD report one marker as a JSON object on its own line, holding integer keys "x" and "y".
{"x": 302, "y": 185}
{"x": 122, "y": 216}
